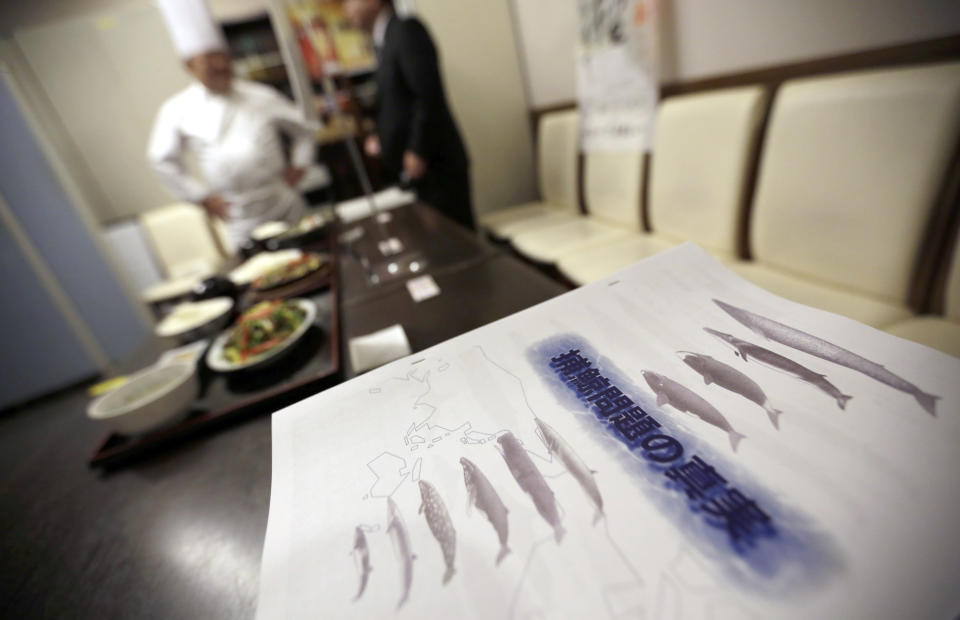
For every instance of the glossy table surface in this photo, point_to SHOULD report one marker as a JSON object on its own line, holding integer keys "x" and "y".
{"x": 178, "y": 534}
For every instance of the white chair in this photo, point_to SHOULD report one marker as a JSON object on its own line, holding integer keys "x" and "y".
{"x": 558, "y": 148}
{"x": 938, "y": 332}
{"x": 851, "y": 167}
{"x": 183, "y": 240}
{"x": 701, "y": 157}
{"x": 612, "y": 184}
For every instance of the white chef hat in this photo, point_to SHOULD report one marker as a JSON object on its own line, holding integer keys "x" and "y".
{"x": 191, "y": 27}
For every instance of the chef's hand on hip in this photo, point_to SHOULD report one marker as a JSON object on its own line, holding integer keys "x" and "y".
{"x": 216, "y": 206}
{"x": 371, "y": 146}
{"x": 414, "y": 165}
{"x": 292, "y": 175}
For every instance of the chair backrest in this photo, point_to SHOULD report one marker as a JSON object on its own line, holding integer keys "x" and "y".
{"x": 558, "y": 149}
{"x": 225, "y": 244}
{"x": 851, "y": 167}
{"x": 702, "y": 153}
{"x": 612, "y": 186}
{"x": 182, "y": 239}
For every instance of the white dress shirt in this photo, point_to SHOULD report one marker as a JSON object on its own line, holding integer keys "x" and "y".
{"x": 380, "y": 26}
{"x": 233, "y": 140}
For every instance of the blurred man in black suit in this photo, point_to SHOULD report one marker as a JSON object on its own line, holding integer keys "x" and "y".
{"x": 416, "y": 133}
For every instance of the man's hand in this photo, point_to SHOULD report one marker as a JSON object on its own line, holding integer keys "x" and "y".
{"x": 216, "y": 206}
{"x": 371, "y": 146}
{"x": 292, "y": 175}
{"x": 414, "y": 165}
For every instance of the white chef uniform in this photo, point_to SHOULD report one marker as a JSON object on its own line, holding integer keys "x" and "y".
{"x": 235, "y": 143}
{"x": 232, "y": 139}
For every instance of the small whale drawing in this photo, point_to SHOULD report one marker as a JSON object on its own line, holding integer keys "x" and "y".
{"x": 669, "y": 392}
{"x": 481, "y": 494}
{"x": 573, "y": 464}
{"x": 749, "y": 351}
{"x": 438, "y": 519}
{"x": 401, "y": 542}
{"x": 362, "y": 552}
{"x": 730, "y": 379}
{"x": 531, "y": 481}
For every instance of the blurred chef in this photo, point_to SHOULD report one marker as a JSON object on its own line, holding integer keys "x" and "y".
{"x": 229, "y": 132}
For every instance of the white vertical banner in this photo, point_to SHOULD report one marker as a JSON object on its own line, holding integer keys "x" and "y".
{"x": 617, "y": 78}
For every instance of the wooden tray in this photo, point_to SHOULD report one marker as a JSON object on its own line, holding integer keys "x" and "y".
{"x": 313, "y": 364}
{"x": 310, "y": 283}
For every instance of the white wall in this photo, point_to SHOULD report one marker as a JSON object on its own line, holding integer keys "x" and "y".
{"x": 105, "y": 77}
{"x": 702, "y": 38}
{"x": 102, "y": 70}
{"x": 547, "y": 32}
{"x": 481, "y": 70}
{"x": 32, "y": 13}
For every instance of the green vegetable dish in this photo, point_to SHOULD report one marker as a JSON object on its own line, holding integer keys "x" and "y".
{"x": 262, "y": 328}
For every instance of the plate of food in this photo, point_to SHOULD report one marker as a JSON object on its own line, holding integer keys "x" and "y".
{"x": 261, "y": 264}
{"x": 261, "y": 335}
{"x": 291, "y": 271}
{"x": 269, "y": 230}
{"x": 303, "y": 230}
{"x": 193, "y": 320}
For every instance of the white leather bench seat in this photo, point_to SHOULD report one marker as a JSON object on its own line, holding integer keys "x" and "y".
{"x": 936, "y": 332}
{"x": 840, "y": 300}
{"x": 554, "y": 242}
{"x": 558, "y": 152}
{"x": 511, "y": 215}
{"x": 852, "y": 165}
{"x": 701, "y": 154}
{"x": 939, "y": 332}
{"x": 612, "y": 185}
{"x": 599, "y": 262}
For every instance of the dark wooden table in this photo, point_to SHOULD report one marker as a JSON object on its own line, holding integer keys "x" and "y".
{"x": 478, "y": 282}
{"x": 470, "y": 296}
{"x": 179, "y": 534}
{"x": 440, "y": 244}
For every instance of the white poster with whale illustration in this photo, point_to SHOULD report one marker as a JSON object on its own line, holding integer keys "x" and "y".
{"x": 670, "y": 442}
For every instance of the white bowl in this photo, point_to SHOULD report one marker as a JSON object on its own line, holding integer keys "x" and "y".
{"x": 219, "y": 363}
{"x": 148, "y": 400}
{"x": 194, "y": 320}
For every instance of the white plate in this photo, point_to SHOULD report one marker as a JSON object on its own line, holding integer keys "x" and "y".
{"x": 268, "y": 230}
{"x": 169, "y": 289}
{"x": 359, "y": 208}
{"x": 217, "y": 362}
{"x": 261, "y": 264}
{"x": 191, "y": 315}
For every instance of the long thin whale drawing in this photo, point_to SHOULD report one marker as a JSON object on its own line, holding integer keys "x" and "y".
{"x": 480, "y": 493}
{"x": 362, "y": 551}
{"x": 401, "y": 541}
{"x": 730, "y": 379}
{"x": 808, "y": 343}
{"x": 748, "y": 350}
{"x": 559, "y": 447}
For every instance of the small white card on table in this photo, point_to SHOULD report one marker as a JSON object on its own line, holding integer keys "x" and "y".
{"x": 423, "y": 288}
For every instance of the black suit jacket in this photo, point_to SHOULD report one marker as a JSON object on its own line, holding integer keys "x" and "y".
{"x": 412, "y": 110}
